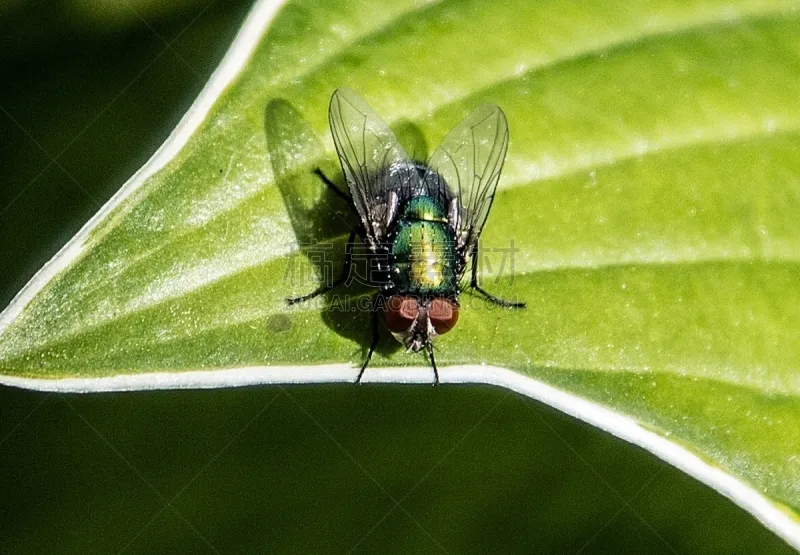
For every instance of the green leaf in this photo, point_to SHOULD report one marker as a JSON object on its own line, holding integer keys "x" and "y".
{"x": 650, "y": 198}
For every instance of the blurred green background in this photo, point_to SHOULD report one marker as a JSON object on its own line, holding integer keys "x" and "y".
{"x": 91, "y": 89}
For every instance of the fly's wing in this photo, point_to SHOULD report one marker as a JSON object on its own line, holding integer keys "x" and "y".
{"x": 470, "y": 161}
{"x": 371, "y": 158}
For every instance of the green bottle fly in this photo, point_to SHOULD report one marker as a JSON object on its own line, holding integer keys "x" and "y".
{"x": 420, "y": 221}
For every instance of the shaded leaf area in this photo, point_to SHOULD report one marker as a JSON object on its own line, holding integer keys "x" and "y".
{"x": 320, "y": 469}
{"x": 647, "y": 215}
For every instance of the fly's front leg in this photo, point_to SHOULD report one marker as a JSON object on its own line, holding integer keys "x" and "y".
{"x": 433, "y": 363}
{"x": 348, "y": 262}
{"x": 374, "y": 307}
{"x": 491, "y": 298}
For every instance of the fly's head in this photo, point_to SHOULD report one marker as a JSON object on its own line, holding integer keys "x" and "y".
{"x": 418, "y": 322}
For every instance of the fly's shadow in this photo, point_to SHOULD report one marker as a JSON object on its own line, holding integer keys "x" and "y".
{"x": 322, "y": 219}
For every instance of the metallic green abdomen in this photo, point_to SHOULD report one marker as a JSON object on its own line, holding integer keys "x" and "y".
{"x": 424, "y": 249}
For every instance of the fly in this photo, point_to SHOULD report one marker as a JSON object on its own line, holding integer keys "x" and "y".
{"x": 420, "y": 222}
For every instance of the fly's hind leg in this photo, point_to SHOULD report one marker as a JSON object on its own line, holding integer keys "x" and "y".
{"x": 348, "y": 262}
{"x": 489, "y": 297}
{"x": 374, "y": 306}
{"x": 335, "y": 190}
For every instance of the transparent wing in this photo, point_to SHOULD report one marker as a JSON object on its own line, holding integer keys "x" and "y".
{"x": 370, "y": 156}
{"x": 470, "y": 161}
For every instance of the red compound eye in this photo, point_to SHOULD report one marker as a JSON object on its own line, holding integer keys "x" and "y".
{"x": 400, "y": 313}
{"x": 443, "y": 314}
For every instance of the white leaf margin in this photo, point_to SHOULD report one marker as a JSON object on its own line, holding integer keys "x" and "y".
{"x": 774, "y": 517}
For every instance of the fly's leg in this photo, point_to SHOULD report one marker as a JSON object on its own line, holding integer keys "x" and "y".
{"x": 348, "y": 261}
{"x": 376, "y": 302}
{"x": 489, "y": 297}
{"x": 335, "y": 190}
{"x": 433, "y": 363}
